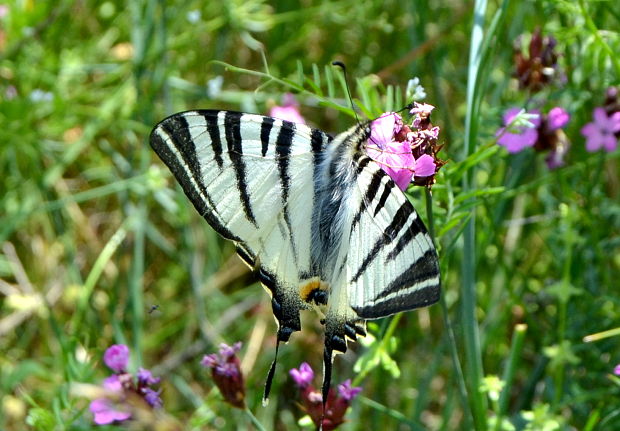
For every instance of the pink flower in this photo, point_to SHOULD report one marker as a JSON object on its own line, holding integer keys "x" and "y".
{"x": 617, "y": 370}
{"x": 116, "y": 357}
{"x": 394, "y": 157}
{"x": 105, "y": 412}
{"x": 424, "y": 166}
{"x": 557, "y": 118}
{"x": 600, "y": 132}
{"x": 302, "y": 376}
{"x": 289, "y": 111}
{"x": 522, "y": 137}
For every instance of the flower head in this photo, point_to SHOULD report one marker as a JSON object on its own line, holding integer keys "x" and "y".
{"x": 116, "y": 357}
{"x": 600, "y": 133}
{"x": 289, "y": 110}
{"x": 302, "y": 376}
{"x": 347, "y": 391}
{"x": 406, "y": 152}
{"x": 123, "y": 389}
{"x": 540, "y": 68}
{"x": 226, "y": 373}
{"x": 336, "y": 405}
{"x": 517, "y": 134}
{"x": 617, "y": 370}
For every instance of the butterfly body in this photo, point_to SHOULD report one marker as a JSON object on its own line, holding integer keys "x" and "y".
{"x": 319, "y": 219}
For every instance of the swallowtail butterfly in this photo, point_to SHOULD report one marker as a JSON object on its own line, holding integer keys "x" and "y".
{"x": 317, "y": 218}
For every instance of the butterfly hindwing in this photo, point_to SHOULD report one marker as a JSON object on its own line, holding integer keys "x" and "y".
{"x": 393, "y": 264}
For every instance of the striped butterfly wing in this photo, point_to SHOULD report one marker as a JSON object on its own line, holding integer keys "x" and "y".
{"x": 384, "y": 261}
{"x": 393, "y": 262}
{"x": 251, "y": 178}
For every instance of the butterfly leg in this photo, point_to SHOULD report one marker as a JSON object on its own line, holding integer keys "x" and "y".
{"x": 286, "y": 311}
{"x": 337, "y": 331}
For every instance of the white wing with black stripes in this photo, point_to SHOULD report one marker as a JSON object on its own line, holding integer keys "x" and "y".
{"x": 322, "y": 222}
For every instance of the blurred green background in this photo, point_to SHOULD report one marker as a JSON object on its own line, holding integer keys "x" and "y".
{"x": 95, "y": 232}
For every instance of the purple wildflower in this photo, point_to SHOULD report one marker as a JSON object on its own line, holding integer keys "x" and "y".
{"x": 289, "y": 110}
{"x": 105, "y": 412}
{"x": 226, "y": 373}
{"x": 123, "y": 389}
{"x": 152, "y": 397}
{"x": 515, "y": 139}
{"x": 302, "y": 376}
{"x": 347, "y": 391}
{"x": 145, "y": 377}
{"x": 617, "y": 370}
{"x": 332, "y": 413}
{"x": 600, "y": 133}
{"x": 116, "y": 357}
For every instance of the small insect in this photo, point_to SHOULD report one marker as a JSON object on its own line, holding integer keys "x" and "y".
{"x": 153, "y": 308}
{"x": 321, "y": 223}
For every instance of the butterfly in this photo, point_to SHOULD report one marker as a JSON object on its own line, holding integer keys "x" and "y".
{"x": 319, "y": 221}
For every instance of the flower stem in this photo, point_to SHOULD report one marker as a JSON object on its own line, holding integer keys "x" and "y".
{"x": 253, "y": 419}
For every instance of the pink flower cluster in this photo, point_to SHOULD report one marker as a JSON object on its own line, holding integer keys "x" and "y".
{"x": 312, "y": 399}
{"x": 123, "y": 387}
{"x": 406, "y": 152}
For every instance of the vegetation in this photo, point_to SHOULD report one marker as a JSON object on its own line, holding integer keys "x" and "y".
{"x": 101, "y": 247}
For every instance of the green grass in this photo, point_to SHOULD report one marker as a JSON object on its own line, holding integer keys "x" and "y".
{"x": 95, "y": 232}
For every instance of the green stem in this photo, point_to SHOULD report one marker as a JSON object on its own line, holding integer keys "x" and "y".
{"x": 253, "y": 419}
{"x": 456, "y": 363}
{"x": 471, "y": 336}
{"x": 518, "y": 338}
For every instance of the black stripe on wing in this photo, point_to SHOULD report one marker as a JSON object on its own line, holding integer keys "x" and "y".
{"x": 265, "y": 132}
{"x": 389, "y": 234}
{"x": 284, "y": 142}
{"x": 232, "y": 129}
{"x": 174, "y": 131}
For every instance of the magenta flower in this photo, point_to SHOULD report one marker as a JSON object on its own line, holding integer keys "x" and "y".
{"x": 347, "y": 391}
{"x": 302, "y": 376}
{"x": 599, "y": 133}
{"x": 289, "y": 110}
{"x": 516, "y": 139}
{"x": 116, "y": 357}
{"x": 617, "y": 370}
{"x": 557, "y": 118}
{"x": 105, "y": 412}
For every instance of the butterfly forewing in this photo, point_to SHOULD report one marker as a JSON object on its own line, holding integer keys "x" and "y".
{"x": 251, "y": 177}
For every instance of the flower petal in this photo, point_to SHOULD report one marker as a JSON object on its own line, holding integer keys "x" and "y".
{"x": 609, "y": 142}
{"x": 557, "y": 118}
{"x": 424, "y": 166}
{"x": 615, "y": 122}
{"x": 600, "y": 118}
{"x": 116, "y": 357}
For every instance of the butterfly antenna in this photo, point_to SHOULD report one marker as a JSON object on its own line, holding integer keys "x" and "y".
{"x": 341, "y": 65}
{"x": 270, "y": 374}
